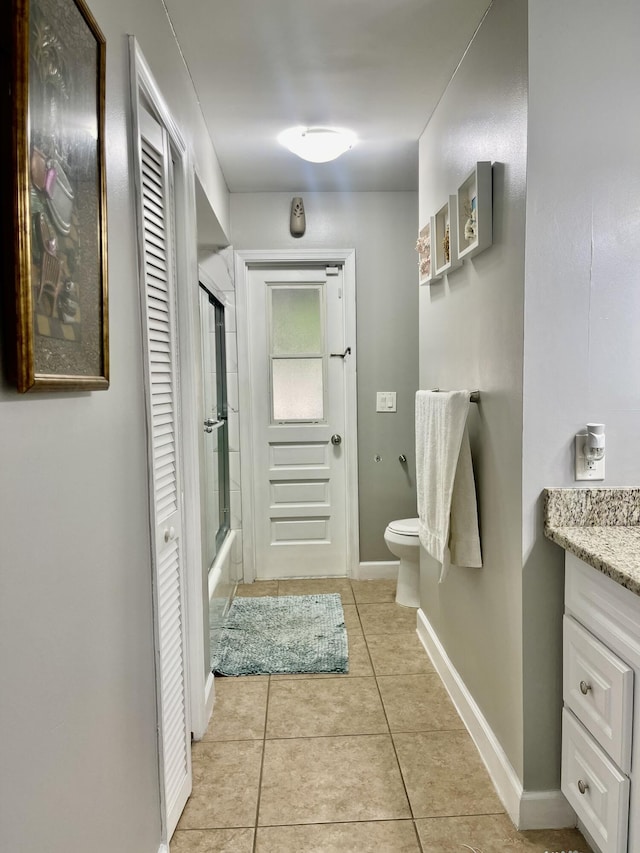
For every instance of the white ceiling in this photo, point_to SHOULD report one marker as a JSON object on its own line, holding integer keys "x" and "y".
{"x": 377, "y": 67}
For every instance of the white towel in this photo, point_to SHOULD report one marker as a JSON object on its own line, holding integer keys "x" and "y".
{"x": 444, "y": 478}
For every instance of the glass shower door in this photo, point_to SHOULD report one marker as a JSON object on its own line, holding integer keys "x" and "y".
{"x": 215, "y": 507}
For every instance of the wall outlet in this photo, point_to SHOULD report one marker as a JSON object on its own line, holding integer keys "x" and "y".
{"x": 587, "y": 469}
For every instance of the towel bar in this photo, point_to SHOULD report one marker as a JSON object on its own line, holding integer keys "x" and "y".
{"x": 474, "y": 396}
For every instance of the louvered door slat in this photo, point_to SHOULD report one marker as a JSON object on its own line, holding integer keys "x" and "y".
{"x": 156, "y": 266}
{"x": 172, "y": 660}
{"x": 157, "y": 314}
{"x": 157, "y": 292}
{"x": 165, "y": 454}
{"x": 163, "y": 441}
{"x": 164, "y": 406}
{"x": 163, "y": 419}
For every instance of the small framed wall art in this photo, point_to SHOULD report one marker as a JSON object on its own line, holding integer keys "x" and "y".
{"x": 444, "y": 230}
{"x": 475, "y": 215}
{"x": 59, "y": 245}
{"x": 425, "y": 260}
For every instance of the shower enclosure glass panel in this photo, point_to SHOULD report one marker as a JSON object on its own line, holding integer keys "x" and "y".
{"x": 215, "y": 507}
{"x": 216, "y": 432}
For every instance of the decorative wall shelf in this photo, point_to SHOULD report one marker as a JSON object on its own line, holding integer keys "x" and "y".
{"x": 475, "y": 211}
{"x": 425, "y": 257}
{"x": 444, "y": 230}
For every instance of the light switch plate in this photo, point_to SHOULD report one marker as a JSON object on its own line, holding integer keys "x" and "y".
{"x": 584, "y": 471}
{"x": 385, "y": 401}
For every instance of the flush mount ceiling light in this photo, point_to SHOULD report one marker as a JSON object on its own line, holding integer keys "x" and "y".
{"x": 317, "y": 144}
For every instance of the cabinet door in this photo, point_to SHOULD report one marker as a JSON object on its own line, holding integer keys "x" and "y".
{"x": 598, "y": 688}
{"x": 594, "y": 787}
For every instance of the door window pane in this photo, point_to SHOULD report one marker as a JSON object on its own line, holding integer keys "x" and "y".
{"x": 296, "y": 320}
{"x": 298, "y": 389}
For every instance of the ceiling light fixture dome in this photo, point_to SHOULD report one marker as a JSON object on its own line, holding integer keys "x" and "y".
{"x": 317, "y": 144}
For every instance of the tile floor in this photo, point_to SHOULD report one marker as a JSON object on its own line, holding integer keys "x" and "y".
{"x": 375, "y": 760}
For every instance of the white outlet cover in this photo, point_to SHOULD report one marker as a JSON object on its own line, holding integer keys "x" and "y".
{"x": 385, "y": 401}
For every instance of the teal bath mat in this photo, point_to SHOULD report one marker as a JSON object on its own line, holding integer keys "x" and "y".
{"x": 282, "y": 634}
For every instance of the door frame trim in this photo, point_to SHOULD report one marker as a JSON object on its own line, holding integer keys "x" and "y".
{"x": 244, "y": 260}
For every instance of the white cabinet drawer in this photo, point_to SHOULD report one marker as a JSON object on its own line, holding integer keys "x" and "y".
{"x": 598, "y": 688}
{"x": 595, "y": 788}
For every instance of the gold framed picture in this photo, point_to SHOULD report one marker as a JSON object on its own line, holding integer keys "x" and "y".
{"x": 59, "y": 197}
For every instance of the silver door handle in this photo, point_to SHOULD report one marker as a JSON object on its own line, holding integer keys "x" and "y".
{"x": 210, "y": 424}
{"x": 336, "y": 439}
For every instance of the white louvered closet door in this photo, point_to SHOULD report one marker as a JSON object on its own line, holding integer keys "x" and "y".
{"x": 163, "y": 412}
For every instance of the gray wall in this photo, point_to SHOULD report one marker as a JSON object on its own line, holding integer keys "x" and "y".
{"x": 471, "y": 329}
{"x": 582, "y": 310}
{"x": 78, "y": 718}
{"x": 382, "y": 229}
{"x": 573, "y": 339}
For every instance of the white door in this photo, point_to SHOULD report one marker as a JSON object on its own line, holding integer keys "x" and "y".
{"x": 297, "y": 362}
{"x": 159, "y": 307}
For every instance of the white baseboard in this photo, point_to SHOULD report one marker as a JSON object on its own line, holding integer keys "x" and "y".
{"x": 376, "y": 571}
{"x": 163, "y": 849}
{"x": 527, "y": 809}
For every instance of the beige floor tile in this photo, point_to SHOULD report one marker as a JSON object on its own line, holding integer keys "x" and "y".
{"x": 444, "y": 775}
{"x": 493, "y": 834}
{"x": 315, "y": 586}
{"x": 398, "y": 654}
{"x": 331, "y": 779}
{"x": 351, "y": 619}
{"x": 212, "y": 841}
{"x": 418, "y": 703}
{"x": 387, "y": 619}
{"x": 374, "y": 592}
{"x": 397, "y": 836}
{"x": 225, "y": 785}
{"x": 240, "y": 709}
{"x": 359, "y": 664}
{"x": 331, "y": 706}
{"x": 257, "y": 589}
{"x": 359, "y": 660}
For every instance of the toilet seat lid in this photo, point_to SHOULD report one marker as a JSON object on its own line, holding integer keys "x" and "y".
{"x": 405, "y": 526}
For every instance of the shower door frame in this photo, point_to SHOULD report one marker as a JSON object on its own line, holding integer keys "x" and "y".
{"x": 244, "y": 261}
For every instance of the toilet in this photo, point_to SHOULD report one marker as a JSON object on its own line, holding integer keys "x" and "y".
{"x": 403, "y": 542}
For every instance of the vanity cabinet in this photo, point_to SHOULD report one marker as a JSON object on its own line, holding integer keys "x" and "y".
{"x": 601, "y": 714}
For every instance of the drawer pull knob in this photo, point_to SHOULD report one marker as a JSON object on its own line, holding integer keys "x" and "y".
{"x": 582, "y": 786}
{"x": 585, "y": 687}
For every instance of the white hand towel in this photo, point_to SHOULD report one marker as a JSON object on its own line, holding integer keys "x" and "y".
{"x": 444, "y": 478}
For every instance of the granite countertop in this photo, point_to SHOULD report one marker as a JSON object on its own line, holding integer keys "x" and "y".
{"x": 601, "y": 527}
